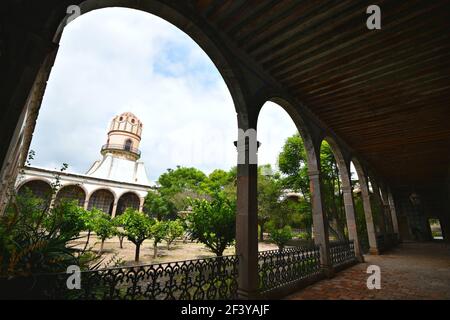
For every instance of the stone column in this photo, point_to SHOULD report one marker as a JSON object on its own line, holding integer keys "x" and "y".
{"x": 393, "y": 213}
{"x": 381, "y": 218}
{"x": 114, "y": 209}
{"x": 141, "y": 204}
{"x": 370, "y": 226}
{"x": 86, "y": 204}
{"x": 320, "y": 222}
{"x": 247, "y": 227}
{"x": 387, "y": 210}
{"x": 350, "y": 217}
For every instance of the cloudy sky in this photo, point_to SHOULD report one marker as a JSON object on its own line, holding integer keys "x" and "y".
{"x": 116, "y": 60}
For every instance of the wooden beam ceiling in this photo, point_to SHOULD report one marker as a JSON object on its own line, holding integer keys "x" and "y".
{"x": 385, "y": 92}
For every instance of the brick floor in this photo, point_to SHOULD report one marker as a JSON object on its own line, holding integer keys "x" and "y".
{"x": 411, "y": 271}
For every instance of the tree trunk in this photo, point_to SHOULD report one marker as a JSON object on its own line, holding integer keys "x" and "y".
{"x": 261, "y": 232}
{"x": 121, "y": 242}
{"x": 101, "y": 247}
{"x": 155, "y": 249}
{"x": 87, "y": 241}
{"x": 136, "y": 255}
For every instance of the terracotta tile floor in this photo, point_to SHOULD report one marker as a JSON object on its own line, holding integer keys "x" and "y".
{"x": 411, "y": 271}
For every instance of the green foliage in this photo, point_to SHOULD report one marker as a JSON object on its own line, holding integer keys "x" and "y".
{"x": 269, "y": 193}
{"x": 217, "y": 181}
{"x": 213, "y": 222}
{"x": 280, "y": 236}
{"x": 158, "y": 233}
{"x": 293, "y": 164}
{"x": 102, "y": 226}
{"x": 118, "y": 230}
{"x": 35, "y": 238}
{"x": 175, "y": 230}
{"x": 69, "y": 217}
{"x": 137, "y": 227}
{"x": 181, "y": 179}
{"x": 159, "y": 206}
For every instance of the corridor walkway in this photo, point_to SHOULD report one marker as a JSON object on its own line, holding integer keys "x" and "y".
{"x": 410, "y": 271}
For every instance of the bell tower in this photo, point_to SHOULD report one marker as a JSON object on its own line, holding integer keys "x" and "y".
{"x": 121, "y": 152}
{"x": 124, "y": 136}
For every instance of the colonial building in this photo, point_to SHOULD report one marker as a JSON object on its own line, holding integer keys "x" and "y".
{"x": 112, "y": 184}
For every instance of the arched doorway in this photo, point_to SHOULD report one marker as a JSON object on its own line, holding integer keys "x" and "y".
{"x": 72, "y": 192}
{"x": 103, "y": 200}
{"x": 127, "y": 200}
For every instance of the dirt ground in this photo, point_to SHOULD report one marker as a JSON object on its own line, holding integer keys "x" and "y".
{"x": 178, "y": 251}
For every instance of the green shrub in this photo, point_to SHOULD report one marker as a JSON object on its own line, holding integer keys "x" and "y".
{"x": 213, "y": 223}
{"x": 281, "y": 236}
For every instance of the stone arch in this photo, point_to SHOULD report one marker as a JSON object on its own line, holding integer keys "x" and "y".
{"x": 367, "y": 204}
{"x": 40, "y": 188}
{"x": 310, "y": 137}
{"x": 72, "y": 192}
{"x": 102, "y": 199}
{"x": 129, "y": 199}
{"x": 343, "y": 166}
{"x": 302, "y": 127}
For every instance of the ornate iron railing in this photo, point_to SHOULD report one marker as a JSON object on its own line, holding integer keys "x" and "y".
{"x": 200, "y": 279}
{"x": 278, "y": 268}
{"x": 342, "y": 252}
{"x": 121, "y": 147}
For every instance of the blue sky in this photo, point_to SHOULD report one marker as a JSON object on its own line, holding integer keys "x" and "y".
{"x": 116, "y": 60}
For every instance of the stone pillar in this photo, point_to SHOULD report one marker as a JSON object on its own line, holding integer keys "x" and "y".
{"x": 387, "y": 210}
{"x": 247, "y": 227}
{"x": 114, "y": 209}
{"x": 393, "y": 213}
{"x": 381, "y": 218}
{"x": 370, "y": 226}
{"x": 141, "y": 204}
{"x": 350, "y": 216}
{"x": 86, "y": 204}
{"x": 320, "y": 222}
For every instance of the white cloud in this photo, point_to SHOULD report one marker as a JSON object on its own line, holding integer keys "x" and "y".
{"x": 116, "y": 60}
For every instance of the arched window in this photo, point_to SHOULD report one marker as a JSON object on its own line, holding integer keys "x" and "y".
{"x": 128, "y": 144}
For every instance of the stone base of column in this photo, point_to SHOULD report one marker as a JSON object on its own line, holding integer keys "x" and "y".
{"x": 328, "y": 271}
{"x": 360, "y": 258}
{"x": 374, "y": 251}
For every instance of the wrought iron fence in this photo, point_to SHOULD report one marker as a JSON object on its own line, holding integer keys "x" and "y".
{"x": 278, "y": 268}
{"x": 200, "y": 279}
{"x": 342, "y": 252}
